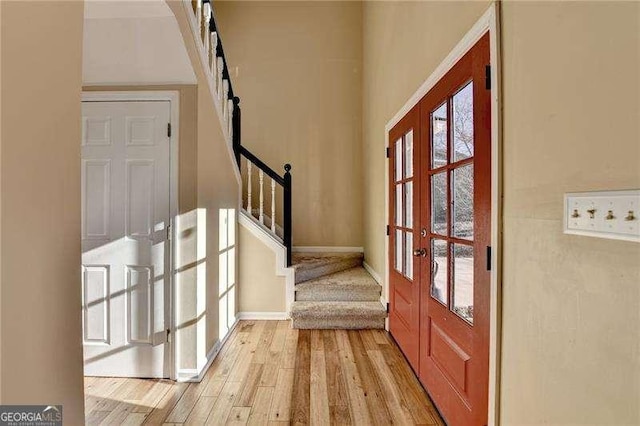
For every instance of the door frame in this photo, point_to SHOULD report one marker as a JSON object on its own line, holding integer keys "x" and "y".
{"x": 173, "y": 97}
{"x": 488, "y": 22}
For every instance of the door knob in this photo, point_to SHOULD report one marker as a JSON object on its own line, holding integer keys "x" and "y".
{"x": 420, "y": 252}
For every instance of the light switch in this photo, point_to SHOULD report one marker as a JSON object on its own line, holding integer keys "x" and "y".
{"x": 604, "y": 214}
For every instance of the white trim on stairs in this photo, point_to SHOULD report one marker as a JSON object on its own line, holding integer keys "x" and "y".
{"x": 371, "y": 272}
{"x": 280, "y": 251}
{"x": 255, "y": 214}
{"x": 263, "y": 226}
{"x": 204, "y": 66}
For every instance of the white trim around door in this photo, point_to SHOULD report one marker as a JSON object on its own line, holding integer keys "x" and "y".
{"x": 173, "y": 97}
{"x": 488, "y": 22}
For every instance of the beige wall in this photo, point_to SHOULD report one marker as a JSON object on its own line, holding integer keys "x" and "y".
{"x": 138, "y": 50}
{"x": 260, "y": 289}
{"x": 571, "y": 123}
{"x": 217, "y": 191}
{"x": 209, "y": 264}
{"x": 297, "y": 68}
{"x": 1, "y": 378}
{"x": 40, "y": 171}
{"x": 571, "y": 323}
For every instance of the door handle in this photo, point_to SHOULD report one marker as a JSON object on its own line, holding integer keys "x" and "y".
{"x": 419, "y": 252}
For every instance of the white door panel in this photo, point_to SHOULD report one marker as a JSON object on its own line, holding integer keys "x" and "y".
{"x": 126, "y": 253}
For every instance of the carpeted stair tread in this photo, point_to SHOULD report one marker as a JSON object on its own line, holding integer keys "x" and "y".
{"x": 353, "y": 284}
{"x": 309, "y": 266}
{"x": 337, "y": 315}
{"x": 338, "y": 324}
{"x": 335, "y": 309}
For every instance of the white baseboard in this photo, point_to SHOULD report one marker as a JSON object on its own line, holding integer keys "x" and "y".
{"x": 373, "y": 273}
{"x": 187, "y": 375}
{"x": 263, "y": 316}
{"x": 195, "y": 375}
{"x": 327, "y": 249}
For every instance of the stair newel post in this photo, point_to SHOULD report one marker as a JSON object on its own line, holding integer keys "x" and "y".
{"x": 236, "y": 128}
{"x": 287, "y": 212}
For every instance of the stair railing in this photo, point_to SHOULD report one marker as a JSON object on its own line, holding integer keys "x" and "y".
{"x": 231, "y": 113}
{"x": 267, "y": 222}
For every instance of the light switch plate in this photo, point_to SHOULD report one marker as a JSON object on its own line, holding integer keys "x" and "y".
{"x": 604, "y": 214}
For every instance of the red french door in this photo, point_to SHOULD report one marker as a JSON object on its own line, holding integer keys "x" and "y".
{"x": 452, "y": 233}
{"x": 404, "y": 275}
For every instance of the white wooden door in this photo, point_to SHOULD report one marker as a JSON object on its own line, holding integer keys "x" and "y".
{"x": 125, "y": 246}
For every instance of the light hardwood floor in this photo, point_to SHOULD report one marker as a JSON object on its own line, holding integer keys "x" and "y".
{"x": 268, "y": 373}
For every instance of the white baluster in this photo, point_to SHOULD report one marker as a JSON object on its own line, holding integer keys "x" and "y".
{"x": 249, "y": 203}
{"x": 199, "y": 15}
{"x": 261, "y": 176}
{"x": 273, "y": 206}
{"x": 205, "y": 30}
{"x": 225, "y": 95}
{"x": 219, "y": 82}
{"x": 230, "y": 117}
{"x": 212, "y": 58}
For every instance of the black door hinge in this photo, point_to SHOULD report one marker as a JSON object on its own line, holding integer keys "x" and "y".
{"x": 388, "y": 153}
{"x": 387, "y": 230}
{"x": 387, "y": 307}
{"x": 169, "y": 129}
{"x": 487, "y": 77}
{"x": 488, "y": 258}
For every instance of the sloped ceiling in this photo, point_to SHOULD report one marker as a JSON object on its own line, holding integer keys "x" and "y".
{"x": 133, "y": 43}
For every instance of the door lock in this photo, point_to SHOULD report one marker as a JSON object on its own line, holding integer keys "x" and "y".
{"x": 420, "y": 252}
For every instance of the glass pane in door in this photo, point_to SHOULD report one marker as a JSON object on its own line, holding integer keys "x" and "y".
{"x": 463, "y": 281}
{"x": 439, "y": 265}
{"x": 463, "y": 123}
{"x": 408, "y": 200}
{"x": 439, "y": 203}
{"x": 463, "y": 202}
{"x": 439, "y": 128}
{"x": 408, "y": 154}
{"x": 408, "y": 255}
{"x": 398, "y": 158}
{"x": 399, "y": 240}
{"x": 399, "y": 203}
